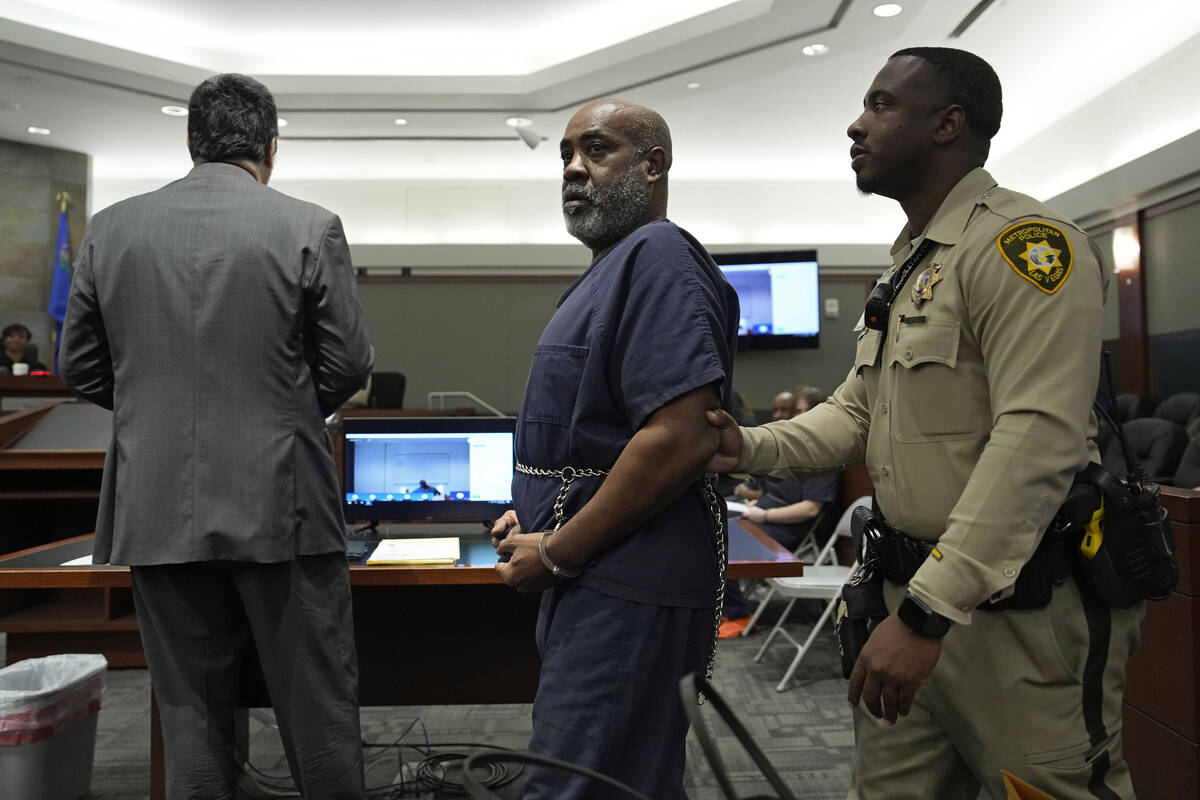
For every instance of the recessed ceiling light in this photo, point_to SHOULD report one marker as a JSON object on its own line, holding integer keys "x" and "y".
{"x": 39, "y": 131}
{"x": 174, "y": 111}
{"x": 814, "y": 49}
{"x": 887, "y": 10}
{"x": 280, "y": 122}
{"x": 518, "y": 122}
{"x": 400, "y": 121}
{"x": 692, "y": 84}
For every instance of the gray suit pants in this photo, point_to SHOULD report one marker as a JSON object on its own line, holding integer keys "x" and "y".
{"x": 197, "y": 618}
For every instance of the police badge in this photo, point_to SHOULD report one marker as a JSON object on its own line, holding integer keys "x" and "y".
{"x": 923, "y": 288}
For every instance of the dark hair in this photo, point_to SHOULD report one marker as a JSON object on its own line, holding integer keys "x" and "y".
{"x": 967, "y": 80}
{"x": 16, "y": 326}
{"x": 231, "y": 117}
{"x": 807, "y": 394}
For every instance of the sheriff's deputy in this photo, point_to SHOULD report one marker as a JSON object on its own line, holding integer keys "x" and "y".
{"x": 969, "y": 398}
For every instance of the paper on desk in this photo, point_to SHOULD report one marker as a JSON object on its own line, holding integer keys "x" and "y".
{"x": 82, "y": 561}
{"x": 437, "y": 550}
{"x": 736, "y": 508}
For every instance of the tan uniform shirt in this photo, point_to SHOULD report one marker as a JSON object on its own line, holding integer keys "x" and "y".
{"x": 973, "y": 409}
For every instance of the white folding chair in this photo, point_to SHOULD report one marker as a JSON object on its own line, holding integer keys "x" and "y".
{"x": 807, "y": 547}
{"x": 820, "y": 581}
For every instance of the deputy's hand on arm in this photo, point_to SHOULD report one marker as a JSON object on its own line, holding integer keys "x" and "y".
{"x": 729, "y": 446}
{"x": 891, "y": 667}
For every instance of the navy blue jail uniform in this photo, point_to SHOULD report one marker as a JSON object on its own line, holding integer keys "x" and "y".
{"x": 648, "y": 322}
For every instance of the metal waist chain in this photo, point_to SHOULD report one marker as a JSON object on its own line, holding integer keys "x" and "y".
{"x": 568, "y": 475}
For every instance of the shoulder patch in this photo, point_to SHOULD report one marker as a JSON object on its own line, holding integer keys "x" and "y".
{"x": 1039, "y": 252}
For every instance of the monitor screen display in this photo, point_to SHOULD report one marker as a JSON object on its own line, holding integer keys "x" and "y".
{"x": 778, "y": 295}
{"x": 450, "y": 469}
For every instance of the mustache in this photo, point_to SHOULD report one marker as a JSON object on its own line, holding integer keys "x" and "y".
{"x": 578, "y": 193}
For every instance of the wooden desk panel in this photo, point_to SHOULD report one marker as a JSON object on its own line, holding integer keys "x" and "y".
{"x": 1162, "y": 694}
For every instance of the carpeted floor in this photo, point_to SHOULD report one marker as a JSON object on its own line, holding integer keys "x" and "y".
{"x": 805, "y": 731}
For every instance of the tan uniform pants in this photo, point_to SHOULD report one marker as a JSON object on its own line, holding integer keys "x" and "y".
{"x": 1036, "y": 692}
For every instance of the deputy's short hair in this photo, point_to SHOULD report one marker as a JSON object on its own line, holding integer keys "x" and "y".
{"x": 968, "y": 81}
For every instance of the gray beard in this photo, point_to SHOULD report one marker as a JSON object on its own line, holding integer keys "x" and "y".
{"x": 613, "y": 213}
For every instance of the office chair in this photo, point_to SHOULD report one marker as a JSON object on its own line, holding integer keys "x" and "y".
{"x": 693, "y": 686}
{"x": 1187, "y": 475}
{"x": 1159, "y": 443}
{"x": 1132, "y": 406}
{"x": 1181, "y": 408}
{"x": 387, "y": 390}
{"x": 820, "y": 581}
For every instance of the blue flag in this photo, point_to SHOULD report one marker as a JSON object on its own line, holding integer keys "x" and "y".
{"x": 60, "y": 282}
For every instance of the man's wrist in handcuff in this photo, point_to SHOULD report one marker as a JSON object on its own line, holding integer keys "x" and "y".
{"x": 551, "y": 566}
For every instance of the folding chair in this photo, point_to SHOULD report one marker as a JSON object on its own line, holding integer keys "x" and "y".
{"x": 807, "y": 547}
{"x": 820, "y": 581}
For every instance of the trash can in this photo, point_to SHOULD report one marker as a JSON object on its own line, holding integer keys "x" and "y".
{"x": 48, "y": 710}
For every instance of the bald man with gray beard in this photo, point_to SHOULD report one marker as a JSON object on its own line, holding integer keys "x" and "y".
{"x": 625, "y": 533}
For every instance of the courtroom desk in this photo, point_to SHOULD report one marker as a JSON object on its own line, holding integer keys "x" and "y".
{"x": 21, "y": 391}
{"x": 1162, "y": 694}
{"x": 47, "y": 608}
{"x": 439, "y": 634}
{"x": 51, "y": 462}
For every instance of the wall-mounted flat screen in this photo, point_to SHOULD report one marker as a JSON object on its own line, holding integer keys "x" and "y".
{"x": 450, "y": 469}
{"x": 780, "y": 305}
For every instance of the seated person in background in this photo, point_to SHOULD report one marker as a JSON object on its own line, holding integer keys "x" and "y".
{"x": 16, "y": 338}
{"x": 785, "y": 510}
{"x": 782, "y": 407}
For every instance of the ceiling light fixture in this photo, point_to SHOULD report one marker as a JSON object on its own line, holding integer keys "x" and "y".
{"x": 280, "y": 122}
{"x": 38, "y": 131}
{"x": 518, "y": 122}
{"x": 400, "y": 121}
{"x": 887, "y": 9}
{"x": 814, "y": 49}
{"x": 692, "y": 85}
{"x": 174, "y": 111}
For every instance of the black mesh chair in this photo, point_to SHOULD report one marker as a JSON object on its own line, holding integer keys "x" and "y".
{"x": 1133, "y": 406}
{"x": 387, "y": 390}
{"x": 1187, "y": 475}
{"x": 1180, "y": 408}
{"x": 693, "y": 686}
{"x": 1159, "y": 443}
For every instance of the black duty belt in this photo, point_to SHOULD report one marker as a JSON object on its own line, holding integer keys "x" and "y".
{"x": 897, "y": 556}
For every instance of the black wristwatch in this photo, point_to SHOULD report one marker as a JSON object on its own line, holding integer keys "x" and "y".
{"x": 923, "y": 620}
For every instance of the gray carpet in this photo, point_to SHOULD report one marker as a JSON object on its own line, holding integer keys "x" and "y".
{"x": 805, "y": 731}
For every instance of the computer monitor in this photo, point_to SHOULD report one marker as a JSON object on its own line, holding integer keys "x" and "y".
{"x": 446, "y": 469}
{"x": 778, "y": 295}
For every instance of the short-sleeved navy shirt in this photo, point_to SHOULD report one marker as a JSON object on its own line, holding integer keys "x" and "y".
{"x": 779, "y": 493}
{"x": 650, "y": 321}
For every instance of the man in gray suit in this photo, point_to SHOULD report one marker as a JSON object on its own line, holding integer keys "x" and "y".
{"x": 218, "y": 319}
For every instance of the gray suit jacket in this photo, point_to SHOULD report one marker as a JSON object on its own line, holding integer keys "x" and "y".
{"x": 218, "y": 319}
